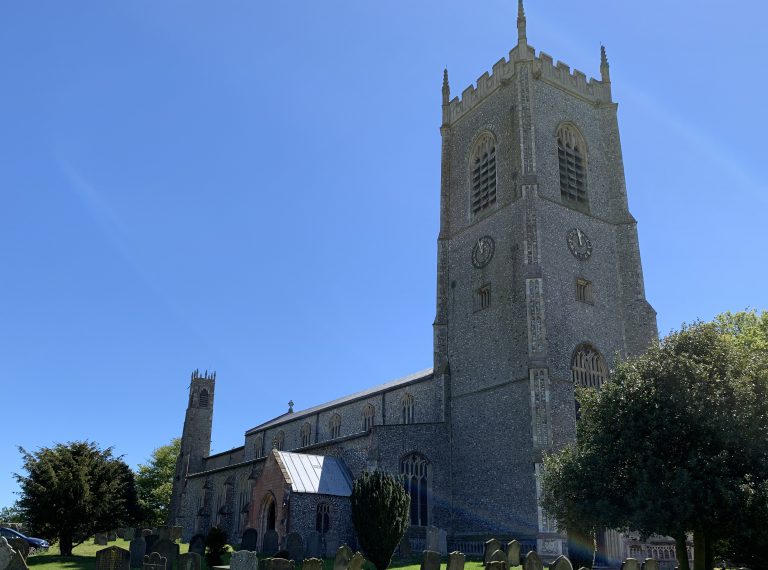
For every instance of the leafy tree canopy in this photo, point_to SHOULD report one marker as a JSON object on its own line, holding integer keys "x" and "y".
{"x": 674, "y": 443}
{"x": 71, "y": 491}
{"x": 155, "y": 483}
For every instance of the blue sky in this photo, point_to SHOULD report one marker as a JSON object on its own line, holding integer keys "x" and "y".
{"x": 252, "y": 187}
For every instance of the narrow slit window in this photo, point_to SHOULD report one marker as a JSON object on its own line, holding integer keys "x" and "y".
{"x": 334, "y": 426}
{"x": 483, "y": 298}
{"x": 584, "y": 291}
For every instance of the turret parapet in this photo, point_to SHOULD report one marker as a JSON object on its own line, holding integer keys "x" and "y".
{"x": 544, "y": 68}
{"x": 204, "y": 376}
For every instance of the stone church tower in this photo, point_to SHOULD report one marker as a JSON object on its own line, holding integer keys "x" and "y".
{"x": 539, "y": 281}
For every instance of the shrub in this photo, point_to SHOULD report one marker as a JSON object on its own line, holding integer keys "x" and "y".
{"x": 215, "y": 546}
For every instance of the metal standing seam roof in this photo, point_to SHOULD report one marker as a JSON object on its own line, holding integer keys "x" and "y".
{"x": 316, "y": 474}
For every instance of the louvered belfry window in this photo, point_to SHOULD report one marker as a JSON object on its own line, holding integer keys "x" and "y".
{"x": 571, "y": 157}
{"x": 483, "y": 174}
{"x": 588, "y": 367}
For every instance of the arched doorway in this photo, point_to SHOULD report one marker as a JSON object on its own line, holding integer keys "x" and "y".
{"x": 267, "y": 516}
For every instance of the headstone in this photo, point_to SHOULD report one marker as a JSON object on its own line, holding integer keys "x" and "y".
{"x": 630, "y": 564}
{"x": 176, "y": 533}
{"x": 17, "y": 562}
{"x": 343, "y": 556}
{"x": 111, "y": 536}
{"x": 113, "y": 558}
{"x": 151, "y": 540}
{"x": 146, "y": 532}
{"x": 129, "y": 534}
{"x": 496, "y": 564}
{"x": 561, "y": 563}
{"x": 491, "y": 546}
{"x": 100, "y": 539}
{"x": 312, "y": 563}
{"x": 331, "y": 544}
{"x": 138, "y": 549}
{"x": 437, "y": 540}
{"x": 164, "y": 532}
{"x": 456, "y": 560}
{"x": 532, "y": 562}
{"x": 6, "y": 553}
{"x": 357, "y": 561}
{"x": 294, "y": 544}
{"x": 271, "y": 542}
{"x": 244, "y": 560}
{"x": 650, "y": 564}
{"x": 430, "y": 560}
{"x": 153, "y": 562}
{"x": 499, "y": 556}
{"x": 315, "y": 545}
{"x": 280, "y": 563}
{"x": 20, "y": 545}
{"x": 197, "y": 544}
{"x": 250, "y": 539}
{"x": 120, "y": 532}
{"x": 513, "y": 554}
{"x": 190, "y": 561}
{"x": 168, "y": 550}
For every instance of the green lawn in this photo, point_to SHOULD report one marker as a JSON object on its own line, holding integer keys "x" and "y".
{"x": 84, "y": 558}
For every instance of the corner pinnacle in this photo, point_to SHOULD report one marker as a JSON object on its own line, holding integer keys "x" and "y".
{"x": 605, "y": 69}
{"x": 446, "y": 87}
{"x": 521, "y": 35}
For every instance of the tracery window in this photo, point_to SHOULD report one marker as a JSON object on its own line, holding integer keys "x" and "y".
{"x": 279, "y": 441}
{"x": 323, "y": 518}
{"x": 407, "y": 408}
{"x": 415, "y": 472}
{"x": 588, "y": 368}
{"x": 369, "y": 412}
{"x": 334, "y": 426}
{"x": 203, "y": 399}
{"x": 483, "y": 173}
{"x": 306, "y": 434}
{"x": 571, "y": 154}
{"x": 259, "y": 447}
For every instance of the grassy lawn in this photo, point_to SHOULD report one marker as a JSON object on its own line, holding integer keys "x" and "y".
{"x": 84, "y": 558}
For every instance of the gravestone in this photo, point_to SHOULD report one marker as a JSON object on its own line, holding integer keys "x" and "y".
{"x": 250, "y": 539}
{"x": 100, "y": 539}
{"x": 138, "y": 549}
{"x": 312, "y": 564}
{"x": 496, "y": 564}
{"x": 456, "y": 560}
{"x": 244, "y": 560}
{"x": 153, "y": 562}
{"x": 513, "y": 554}
{"x": 168, "y": 550}
{"x": 330, "y": 543}
{"x": 491, "y": 546}
{"x": 404, "y": 548}
{"x": 499, "y": 556}
{"x": 294, "y": 544}
{"x": 151, "y": 540}
{"x": 197, "y": 544}
{"x": 280, "y": 563}
{"x": 356, "y": 562}
{"x": 315, "y": 545}
{"x": 176, "y": 533}
{"x": 343, "y": 556}
{"x": 113, "y": 558}
{"x": 146, "y": 532}
{"x": 650, "y": 564}
{"x": 120, "y": 532}
{"x": 271, "y": 542}
{"x": 6, "y": 553}
{"x": 15, "y": 559}
{"x": 437, "y": 540}
{"x": 630, "y": 564}
{"x": 129, "y": 534}
{"x": 532, "y": 562}
{"x": 21, "y": 546}
{"x": 190, "y": 561}
{"x": 111, "y": 536}
{"x": 164, "y": 532}
{"x": 430, "y": 560}
{"x": 561, "y": 563}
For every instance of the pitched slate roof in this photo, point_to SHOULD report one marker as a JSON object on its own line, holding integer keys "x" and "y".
{"x": 315, "y": 473}
{"x": 290, "y": 416}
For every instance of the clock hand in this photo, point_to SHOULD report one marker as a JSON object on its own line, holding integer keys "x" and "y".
{"x": 578, "y": 233}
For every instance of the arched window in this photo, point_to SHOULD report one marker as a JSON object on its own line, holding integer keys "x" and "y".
{"x": 306, "y": 434}
{"x": 588, "y": 368}
{"x": 203, "y": 399}
{"x": 259, "y": 447}
{"x": 279, "y": 441}
{"x": 483, "y": 173}
{"x": 407, "y": 407}
{"x": 571, "y": 154}
{"x": 323, "y": 518}
{"x": 334, "y": 426}
{"x": 369, "y": 412}
{"x": 414, "y": 470}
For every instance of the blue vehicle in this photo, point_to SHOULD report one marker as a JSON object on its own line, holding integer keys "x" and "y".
{"x": 34, "y": 543}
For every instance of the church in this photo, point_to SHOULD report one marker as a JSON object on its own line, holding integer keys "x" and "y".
{"x": 539, "y": 286}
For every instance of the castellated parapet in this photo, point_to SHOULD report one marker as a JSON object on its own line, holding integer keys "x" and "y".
{"x": 544, "y": 68}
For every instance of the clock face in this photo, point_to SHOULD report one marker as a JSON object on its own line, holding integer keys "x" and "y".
{"x": 579, "y": 244}
{"x": 483, "y": 251}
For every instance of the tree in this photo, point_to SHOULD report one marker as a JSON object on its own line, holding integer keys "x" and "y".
{"x": 155, "y": 483}
{"x": 11, "y": 514}
{"x": 71, "y": 491}
{"x": 380, "y": 514}
{"x": 674, "y": 443}
{"x": 215, "y": 546}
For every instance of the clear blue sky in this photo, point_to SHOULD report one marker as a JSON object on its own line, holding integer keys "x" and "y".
{"x": 252, "y": 187}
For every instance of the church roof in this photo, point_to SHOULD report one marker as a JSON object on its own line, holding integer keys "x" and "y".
{"x": 291, "y": 416}
{"x": 315, "y": 473}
